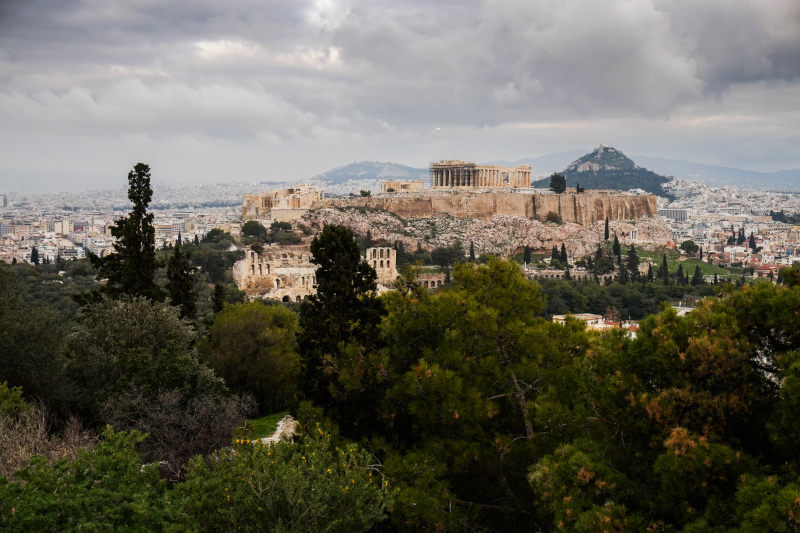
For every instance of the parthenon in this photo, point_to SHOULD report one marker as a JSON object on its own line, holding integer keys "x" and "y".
{"x": 465, "y": 175}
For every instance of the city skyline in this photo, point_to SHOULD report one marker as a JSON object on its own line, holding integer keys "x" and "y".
{"x": 248, "y": 91}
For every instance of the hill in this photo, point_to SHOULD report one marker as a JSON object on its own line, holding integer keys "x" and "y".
{"x": 371, "y": 170}
{"x": 608, "y": 168}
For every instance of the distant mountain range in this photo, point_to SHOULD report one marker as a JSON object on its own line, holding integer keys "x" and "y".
{"x": 608, "y": 168}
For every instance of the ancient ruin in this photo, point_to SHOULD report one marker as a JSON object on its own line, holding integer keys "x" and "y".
{"x": 402, "y": 186}
{"x": 384, "y": 261}
{"x": 453, "y": 174}
{"x": 278, "y": 272}
{"x": 286, "y": 273}
{"x": 282, "y": 205}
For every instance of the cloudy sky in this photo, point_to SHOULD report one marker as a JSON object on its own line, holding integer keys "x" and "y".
{"x": 245, "y": 90}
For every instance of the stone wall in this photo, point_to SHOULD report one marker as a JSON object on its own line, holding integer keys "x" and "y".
{"x": 585, "y": 208}
{"x": 278, "y": 272}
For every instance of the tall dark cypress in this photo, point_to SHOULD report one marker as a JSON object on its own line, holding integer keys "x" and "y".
{"x": 131, "y": 268}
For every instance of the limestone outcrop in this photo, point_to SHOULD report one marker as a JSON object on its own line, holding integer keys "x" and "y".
{"x": 502, "y": 235}
{"x": 585, "y": 208}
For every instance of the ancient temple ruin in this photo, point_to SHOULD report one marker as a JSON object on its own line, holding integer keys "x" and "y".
{"x": 282, "y": 204}
{"x": 278, "y": 272}
{"x": 465, "y": 175}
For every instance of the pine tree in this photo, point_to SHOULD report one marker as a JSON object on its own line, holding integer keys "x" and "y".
{"x": 607, "y": 234}
{"x": 563, "y": 257}
{"x": 34, "y": 256}
{"x": 131, "y": 268}
{"x": 218, "y": 298}
{"x": 180, "y": 284}
{"x": 697, "y": 279}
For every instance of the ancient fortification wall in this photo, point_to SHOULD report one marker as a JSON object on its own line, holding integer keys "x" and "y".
{"x": 585, "y": 208}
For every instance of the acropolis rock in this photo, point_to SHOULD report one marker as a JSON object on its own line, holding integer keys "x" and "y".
{"x": 584, "y": 208}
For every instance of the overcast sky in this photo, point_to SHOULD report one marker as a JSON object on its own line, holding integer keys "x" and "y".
{"x": 246, "y": 90}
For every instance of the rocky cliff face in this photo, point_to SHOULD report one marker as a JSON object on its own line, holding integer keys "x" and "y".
{"x": 502, "y": 235}
{"x": 585, "y": 209}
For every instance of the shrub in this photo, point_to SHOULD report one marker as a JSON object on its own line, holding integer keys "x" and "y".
{"x": 552, "y": 216}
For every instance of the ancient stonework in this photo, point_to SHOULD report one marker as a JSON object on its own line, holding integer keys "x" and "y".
{"x": 402, "y": 186}
{"x": 384, "y": 261}
{"x": 278, "y": 272}
{"x": 466, "y": 175}
{"x": 281, "y": 204}
{"x": 286, "y": 273}
{"x": 585, "y": 208}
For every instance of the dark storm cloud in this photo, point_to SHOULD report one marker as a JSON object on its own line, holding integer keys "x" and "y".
{"x": 325, "y": 74}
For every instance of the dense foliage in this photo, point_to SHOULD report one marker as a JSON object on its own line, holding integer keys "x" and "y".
{"x": 463, "y": 409}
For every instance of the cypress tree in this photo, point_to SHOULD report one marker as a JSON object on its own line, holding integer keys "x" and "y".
{"x": 526, "y": 256}
{"x": 554, "y": 254}
{"x": 663, "y": 272}
{"x": 180, "y": 284}
{"x": 34, "y": 256}
{"x": 13, "y": 260}
{"x": 633, "y": 263}
{"x": 218, "y": 298}
{"x": 650, "y": 273}
{"x": 196, "y": 240}
{"x": 471, "y": 251}
{"x": 606, "y": 233}
{"x": 752, "y": 243}
{"x": 716, "y": 279}
{"x": 701, "y": 253}
{"x": 615, "y": 247}
{"x": 697, "y": 279}
{"x": 131, "y": 268}
{"x": 623, "y": 275}
{"x": 679, "y": 277}
{"x": 563, "y": 256}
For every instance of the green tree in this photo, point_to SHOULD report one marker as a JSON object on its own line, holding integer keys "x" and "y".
{"x": 254, "y": 231}
{"x": 253, "y": 348}
{"x": 218, "y": 298}
{"x": 633, "y": 263}
{"x": 311, "y": 485}
{"x": 471, "y": 251}
{"x": 680, "y": 278}
{"x": 339, "y": 325}
{"x": 606, "y": 234}
{"x": 615, "y": 247}
{"x": 34, "y": 256}
{"x": 104, "y": 489}
{"x": 180, "y": 282}
{"x": 689, "y": 247}
{"x": 663, "y": 271}
{"x": 790, "y": 275}
{"x": 133, "y": 343}
{"x": 131, "y": 268}
{"x": 558, "y": 183}
{"x": 697, "y": 278}
{"x": 752, "y": 242}
{"x": 563, "y": 255}
{"x": 526, "y": 255}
